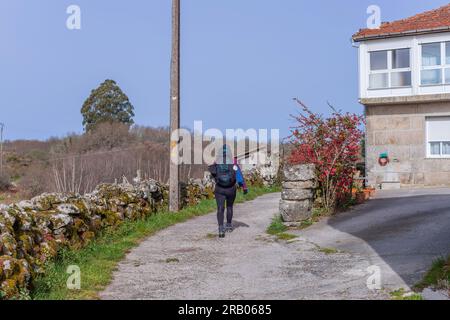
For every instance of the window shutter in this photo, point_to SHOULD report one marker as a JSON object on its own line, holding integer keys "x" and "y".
{"x": 438, "y": 129}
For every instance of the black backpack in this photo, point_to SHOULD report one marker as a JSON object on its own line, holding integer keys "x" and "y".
{"x": 226, "y": 176}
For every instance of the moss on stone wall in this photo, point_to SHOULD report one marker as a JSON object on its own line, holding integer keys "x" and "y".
{"x": 32, "y": 232}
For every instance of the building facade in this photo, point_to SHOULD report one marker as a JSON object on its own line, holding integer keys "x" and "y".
{"x": 404, "y": 85}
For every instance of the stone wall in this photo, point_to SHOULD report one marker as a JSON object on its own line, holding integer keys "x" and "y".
{"x": 33, "y": 231}
{"x": 297, "y": 196}
{"x": 262, "y": 166}
{"x": 197, "y": 190}
{"x": 400, "y": 131}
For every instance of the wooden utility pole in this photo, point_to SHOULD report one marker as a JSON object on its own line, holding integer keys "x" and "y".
{"x": 174, "y": 183}
{"x": 2, "y": 126}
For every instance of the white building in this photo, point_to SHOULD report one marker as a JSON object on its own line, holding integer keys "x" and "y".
{"x": 404, "y": 84}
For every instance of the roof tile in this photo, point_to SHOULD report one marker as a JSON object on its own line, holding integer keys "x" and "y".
{"x": 431, "y": 21}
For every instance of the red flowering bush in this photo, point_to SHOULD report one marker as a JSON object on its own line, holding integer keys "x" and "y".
{"x": 333, "y": 145}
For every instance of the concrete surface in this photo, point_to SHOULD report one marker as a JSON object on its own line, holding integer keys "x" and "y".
{"x": 429, "y": 294}
{"x": 328, "y": 261}
{"x": 425, "y": 98}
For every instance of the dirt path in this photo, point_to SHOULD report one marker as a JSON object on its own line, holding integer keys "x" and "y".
{"x": 187, "y": 261}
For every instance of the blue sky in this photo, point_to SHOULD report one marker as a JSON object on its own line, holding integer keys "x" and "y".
{"x": 242, "y": 60}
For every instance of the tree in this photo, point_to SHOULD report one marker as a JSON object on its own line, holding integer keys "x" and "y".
{"x": 107, "y": 103}
{"x": 333, "y": 145}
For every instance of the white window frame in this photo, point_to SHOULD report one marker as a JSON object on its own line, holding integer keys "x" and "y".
{"x": 429, "y": 142}
{"x": 442, "y": 67}
{"x": 389, "y": 69}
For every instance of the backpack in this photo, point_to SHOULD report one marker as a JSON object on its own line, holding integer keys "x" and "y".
{"x": 226, "y": 176}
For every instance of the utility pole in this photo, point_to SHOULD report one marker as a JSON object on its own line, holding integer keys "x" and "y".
{"x": 174, "y": 183}
{"x": 2, "y": 126}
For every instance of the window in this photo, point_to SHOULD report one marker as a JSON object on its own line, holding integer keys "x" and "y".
{"x": 378, "y": 60}
{"x": 435, "y": 63}
{"x": 431, "y": 54}
{"x": 400, "y": 59}
{"x": 431, "y": 77}
{"x": 379, "y": 81}
{"x": 400, "y": 79}
{"x": 438, "y": 137}
{"x": 390, "y": 69}
{"x": 447, "y": 53}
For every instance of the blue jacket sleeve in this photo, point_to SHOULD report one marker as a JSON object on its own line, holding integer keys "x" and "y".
{"x": 240, "y": 178}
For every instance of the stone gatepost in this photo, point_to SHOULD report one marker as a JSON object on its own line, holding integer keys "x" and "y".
{"x": 297, "y": 196}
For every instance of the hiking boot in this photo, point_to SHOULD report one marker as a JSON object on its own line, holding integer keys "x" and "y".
{"x": 228, "y": 227}
{"x": 221, "y": 232}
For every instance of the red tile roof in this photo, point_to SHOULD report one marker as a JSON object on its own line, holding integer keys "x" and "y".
{"x": 437, "y": 20}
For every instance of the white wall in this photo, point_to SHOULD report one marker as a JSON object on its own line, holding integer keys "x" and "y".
{"x": 414, "y": 44}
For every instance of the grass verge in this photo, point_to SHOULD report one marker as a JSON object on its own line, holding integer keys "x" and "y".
{"x": 278, "y": 229}
{"x": 438, "y": 277}
{"x": 317, "y": 214}
{"x": 286, "y": 236}
{"x": 402, "y": 295}
{"x": 98, "y": 260}
{"x": 277, "y": 226}
{"x": 328, "y": 251}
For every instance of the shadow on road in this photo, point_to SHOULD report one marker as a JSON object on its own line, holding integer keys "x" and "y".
{"x": 408, "y": 233}
{"x": 238, "y": 224}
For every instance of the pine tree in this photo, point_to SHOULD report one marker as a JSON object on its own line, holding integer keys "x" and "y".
{"x": 107, "y": 103}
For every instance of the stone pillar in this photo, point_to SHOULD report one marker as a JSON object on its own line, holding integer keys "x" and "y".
{"x": 297, "y": 196}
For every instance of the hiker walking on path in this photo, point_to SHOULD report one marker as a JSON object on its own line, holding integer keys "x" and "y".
{"x": 227, "y": 174}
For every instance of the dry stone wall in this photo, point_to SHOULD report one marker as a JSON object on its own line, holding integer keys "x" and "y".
{"x": 33, "y": 231}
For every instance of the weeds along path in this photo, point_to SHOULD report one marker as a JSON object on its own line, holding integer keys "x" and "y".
{"x": 188, "y": 261}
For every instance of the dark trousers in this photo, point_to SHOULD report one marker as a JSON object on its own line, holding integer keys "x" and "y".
{"x": 225, "y": 197}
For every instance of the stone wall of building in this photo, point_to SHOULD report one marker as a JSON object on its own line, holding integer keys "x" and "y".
{"x": 297, "y": 196}
{"x": 400, "y": 131}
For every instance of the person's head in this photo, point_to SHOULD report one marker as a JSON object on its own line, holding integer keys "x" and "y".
{"x": 224, "y": 157}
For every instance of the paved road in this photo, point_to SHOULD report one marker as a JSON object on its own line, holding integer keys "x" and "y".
{"x": 400, "y": 235}
{"x": 402, "y": 231}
